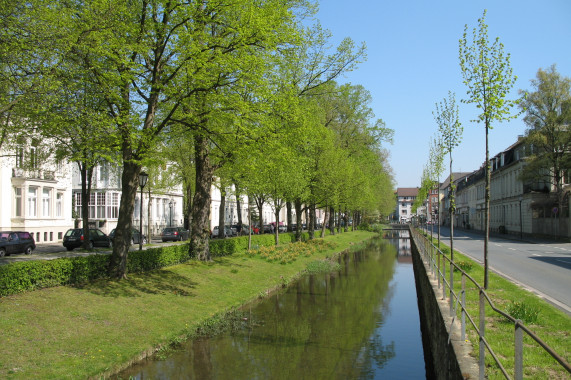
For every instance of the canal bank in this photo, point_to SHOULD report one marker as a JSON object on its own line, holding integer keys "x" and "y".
{"x": 444, "y": 348}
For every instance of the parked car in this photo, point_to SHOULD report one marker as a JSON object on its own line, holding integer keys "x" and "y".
{"x": 135, "y": 236}
{"x": 267, "y": 229}
{"x": 16, "y": 242}
{"x": 174, "y": 234}
{"x": 74, "y": 238}
{"x": 227, "y": 232}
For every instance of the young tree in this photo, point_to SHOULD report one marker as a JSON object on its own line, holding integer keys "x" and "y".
{"x": 548, "y": 119}
{"x": 450, "y": 128}
{"x": 487, "y": 73}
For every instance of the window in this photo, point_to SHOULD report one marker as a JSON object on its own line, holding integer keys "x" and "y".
{"x": 59, "y": 205}
{"x": 46, "y": 203}
{"x": 101, "y": 205}
{"x": 18, "y": 201}
{"x": 34, "y": 154}
{"x": 113, "y": 206}
{"x": 92, "y": 206}
{"x": 78, "y": 203}
{"x": 33, "y": 202}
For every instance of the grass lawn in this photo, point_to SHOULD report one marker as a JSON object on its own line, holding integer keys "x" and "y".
{"x": 81, "y": 332}
{"x": 550, "y": 324}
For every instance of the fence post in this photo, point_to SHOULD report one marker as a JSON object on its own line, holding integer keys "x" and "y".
{"x": 451, "y": 286}
{"x": 463, "y": 307}
{"x": 518, "y": 365}
{"x": 439, "y": 254}
{"x": 443, "y": 278}
{"x": 482, "y": 328}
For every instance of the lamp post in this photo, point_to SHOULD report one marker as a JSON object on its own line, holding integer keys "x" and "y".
{"x": 170, "y": 206}
{"x": 142, "y": 182}
{"x": 520, "y": 219}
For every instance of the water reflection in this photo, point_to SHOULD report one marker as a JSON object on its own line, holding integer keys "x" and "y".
{"x": 361, "y": 322}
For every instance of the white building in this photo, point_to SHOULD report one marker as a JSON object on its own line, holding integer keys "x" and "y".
{"x": 35, "y": 192}
{"x": 405, "y": 198}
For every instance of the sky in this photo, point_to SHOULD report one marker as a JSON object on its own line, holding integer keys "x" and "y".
{"x": 412, "y": 63}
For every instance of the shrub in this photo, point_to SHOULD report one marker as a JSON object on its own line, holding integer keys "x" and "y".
{"x": 466, "y": 266}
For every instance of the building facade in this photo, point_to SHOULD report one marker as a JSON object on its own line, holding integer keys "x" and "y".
{"x": 405, "y": 198}
{"x": 35, "y": 192}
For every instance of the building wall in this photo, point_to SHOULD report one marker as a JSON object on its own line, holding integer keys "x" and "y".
{"x": 35, "y": 197}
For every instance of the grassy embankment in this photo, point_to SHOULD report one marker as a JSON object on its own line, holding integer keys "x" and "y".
{"x": 549, "y": 323}
{"x": 81, "y": 332}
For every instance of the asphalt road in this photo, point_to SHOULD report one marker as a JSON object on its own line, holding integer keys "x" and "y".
{"x": 541, "y": 266}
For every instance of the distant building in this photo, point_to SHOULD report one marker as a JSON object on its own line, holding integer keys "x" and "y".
{"x": 405, "y": 198}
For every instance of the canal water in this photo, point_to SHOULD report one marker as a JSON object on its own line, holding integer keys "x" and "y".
{"x": 361, "y": 322}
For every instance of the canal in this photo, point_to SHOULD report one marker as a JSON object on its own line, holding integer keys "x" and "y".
{"x": 360, "y": 322}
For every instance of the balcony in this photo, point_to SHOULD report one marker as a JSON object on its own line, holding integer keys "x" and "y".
{"x": 41, "y": 174}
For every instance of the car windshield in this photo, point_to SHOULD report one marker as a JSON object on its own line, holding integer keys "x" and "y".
{"x": 74, "y": 232}
{"x": 169, "y": 229}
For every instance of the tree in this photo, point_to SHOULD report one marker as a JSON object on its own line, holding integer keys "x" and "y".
{"x": 450, "y": 128}
{"x": 487, "y": 73}
{"x": 548, "y": 118}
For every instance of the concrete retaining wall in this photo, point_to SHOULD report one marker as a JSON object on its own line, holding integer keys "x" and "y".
{"x": 448, "y": 359}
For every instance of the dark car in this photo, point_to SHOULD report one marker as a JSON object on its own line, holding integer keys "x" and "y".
{"x": 16, "y": 242}
{"x": 227, "y": 232}
{"x": 174, "y": 234}
{"x": 74, "y": 238}
{"x": 135, "y": 236}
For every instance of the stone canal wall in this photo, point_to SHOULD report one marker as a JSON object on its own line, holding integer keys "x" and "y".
{"x": 449, "y": 358}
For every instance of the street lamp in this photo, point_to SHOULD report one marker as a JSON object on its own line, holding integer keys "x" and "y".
{"x": 142, "y": 182}
{"x": 520, "y": 219}
{"x": 171, "y": 204}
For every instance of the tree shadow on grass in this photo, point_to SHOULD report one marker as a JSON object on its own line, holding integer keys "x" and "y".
{"x": 159, "y": 282}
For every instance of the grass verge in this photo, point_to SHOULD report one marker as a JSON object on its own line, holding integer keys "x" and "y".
{"x": 94, "y": 330}
{"x": 550, "y": 324}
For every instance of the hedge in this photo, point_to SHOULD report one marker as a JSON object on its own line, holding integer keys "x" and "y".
{"x": 25, "y": 276}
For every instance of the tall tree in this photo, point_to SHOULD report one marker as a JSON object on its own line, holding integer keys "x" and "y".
{"x": 487, "y": 73}
{"x": 548, "y": 118}
{"x": 450, "y": 128}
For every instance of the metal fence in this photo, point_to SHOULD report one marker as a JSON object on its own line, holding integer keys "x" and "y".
{"x": 438, "y": 263}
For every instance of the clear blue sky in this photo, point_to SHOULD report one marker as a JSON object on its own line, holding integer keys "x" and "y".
{"x": 412, "y": 63}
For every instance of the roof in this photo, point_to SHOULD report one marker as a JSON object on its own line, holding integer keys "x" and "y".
{"x": 457, "y": 176}
{"x": 407, "y": 191}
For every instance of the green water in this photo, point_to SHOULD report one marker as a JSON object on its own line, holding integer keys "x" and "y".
{"x": 359, "y": 323}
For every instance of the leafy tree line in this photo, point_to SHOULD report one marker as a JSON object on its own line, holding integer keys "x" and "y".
{"x": 239, "y": 90}
{"x": 489, "y": 78}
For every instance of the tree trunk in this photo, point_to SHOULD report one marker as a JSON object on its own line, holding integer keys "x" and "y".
{"x": 122, "y": 239}
{"x": 332, "y": 220}
{"x": 239, "y": 212}
{"x": 452, "y": 214}
{"x": 311, "y": 222}
{"x": 487, "y": 210}
{"x": 187, "y": 204}
{"x": 298, "y": 212}
{"x": 277, "y": 208}
{"x": 222, "y": 214}
{"x": 260, "y": 205}
{"x": 289, "y": 217}
{"x": 86, "y": 177}
{"x": 200, "y": 235}
{"x": 324, "y": 224}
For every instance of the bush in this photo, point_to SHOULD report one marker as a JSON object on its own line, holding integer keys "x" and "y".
{"x": 466, "y": 266}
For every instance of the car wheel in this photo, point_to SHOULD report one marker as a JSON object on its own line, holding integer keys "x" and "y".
{"x": 90, "y": 245}
{"x": 69, "y": 248}
{"x": 28, "y": 250}
{"x": 2, "y": 252}
{"x": 110, "y": 244}
{"x": 144, "y": 241}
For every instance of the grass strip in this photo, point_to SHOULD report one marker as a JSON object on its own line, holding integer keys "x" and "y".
{"x": 93, "y": 331}
{"x": 550, "y": 324}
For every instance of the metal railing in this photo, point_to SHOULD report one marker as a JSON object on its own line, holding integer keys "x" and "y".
{"x": 434, "y": 256}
